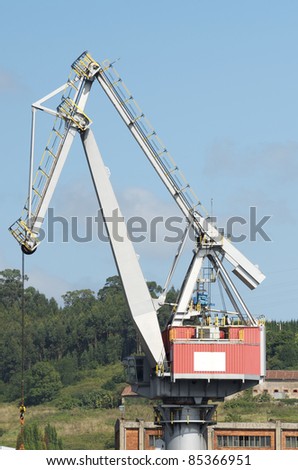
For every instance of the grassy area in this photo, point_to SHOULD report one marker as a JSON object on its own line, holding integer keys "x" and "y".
{"x": 79, "y": 428}
{"x": 93, "y": 429}
{"x": 248, "y": 409}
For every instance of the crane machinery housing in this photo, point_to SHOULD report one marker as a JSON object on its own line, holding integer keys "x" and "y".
{"x": 203, "y": 354}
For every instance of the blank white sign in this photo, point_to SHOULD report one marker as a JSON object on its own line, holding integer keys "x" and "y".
{"x": 210, "y": 361}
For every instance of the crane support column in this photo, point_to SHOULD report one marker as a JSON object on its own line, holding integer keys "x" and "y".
{"x": 185, "y": 426}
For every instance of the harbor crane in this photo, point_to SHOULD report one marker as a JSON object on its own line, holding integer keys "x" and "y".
{"x": 203, "y": 354}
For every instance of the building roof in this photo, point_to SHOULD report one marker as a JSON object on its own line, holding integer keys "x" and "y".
{"x": 128, "y": 392}
{"x": 281, "y": 375}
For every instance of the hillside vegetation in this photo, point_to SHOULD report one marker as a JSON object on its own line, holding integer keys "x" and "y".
{"x": 72, "y": 361}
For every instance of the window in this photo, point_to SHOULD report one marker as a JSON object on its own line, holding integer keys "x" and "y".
{"x": 244, "y": 441}
{"x": 152, "y": 438}
{"x": 292, "y": 442}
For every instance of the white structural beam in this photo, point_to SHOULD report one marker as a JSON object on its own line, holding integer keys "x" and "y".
{"x": 61, "y": 158}
{"x": 138, "y": 296}
{"x": 190, "y": 280}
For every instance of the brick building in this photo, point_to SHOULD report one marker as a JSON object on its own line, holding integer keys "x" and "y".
{"x": 279, "y": 384}
{"x": 136, "y": 435}
{"x": 143, "y": 435}
{"x": 253, "y": 436}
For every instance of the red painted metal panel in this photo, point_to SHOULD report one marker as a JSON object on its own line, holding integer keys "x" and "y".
{"x": 182, "y": 332}
{"x": 252, "y": 335}
{"x": 242, "y": 351}
{"x": 234, "y": 332}
{"x": 245, "y": 333}
{"x": 241, "y": 358}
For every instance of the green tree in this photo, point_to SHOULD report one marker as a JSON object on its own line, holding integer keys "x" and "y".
{"x": 112, "y": 287}
{"x": 282, "y": 345}
{"x": 37, "y": 304}
{"x": 154, "y": 289}
{"x": 43, "y": 383}
{"x": 50, "y": 439}
{"x": 10, "y": 286}
{"x": 79, "y": 298}
{"x": 116, "y": 320}
{"x": 32, "y": 438}
{"x": 165, "y": 312}
{"x": 67, "y": 368}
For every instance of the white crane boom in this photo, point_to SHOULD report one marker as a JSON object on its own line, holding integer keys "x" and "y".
{"x": 170, "y": 174}
{"x": 138, "y": 296}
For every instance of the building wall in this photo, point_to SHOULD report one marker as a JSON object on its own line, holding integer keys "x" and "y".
{"x": 290, "y": 440}
{"x": 141, "y": 435}
{"x": 136, "y": 435}
{"x": 250, "y": 439}
{"x": 132, "y": 439}
{"x": 278, "y": 389}
{"x": 150, "y": 436}
{"x": 254, "y": 436}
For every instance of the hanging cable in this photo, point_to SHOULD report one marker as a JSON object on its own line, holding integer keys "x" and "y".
{"x": 22, "y": 408}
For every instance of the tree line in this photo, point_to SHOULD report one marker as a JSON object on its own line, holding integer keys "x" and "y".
{"x": 91, "y": 329}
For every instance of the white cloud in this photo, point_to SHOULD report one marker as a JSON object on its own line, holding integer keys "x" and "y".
{"x": 268, "y": 160}
{"x": 8, "y": 82}
{"x": 76, "y": 199}
{"x": 140, "y": 202}
{"x": 264, "y": 176}
{"x": 48, "y": 284}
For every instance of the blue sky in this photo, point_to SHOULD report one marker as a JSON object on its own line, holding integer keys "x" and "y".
{"x": 218, "y": 81}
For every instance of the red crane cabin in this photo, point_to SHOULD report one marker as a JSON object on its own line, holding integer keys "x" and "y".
{"x": 231, "y": 352}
